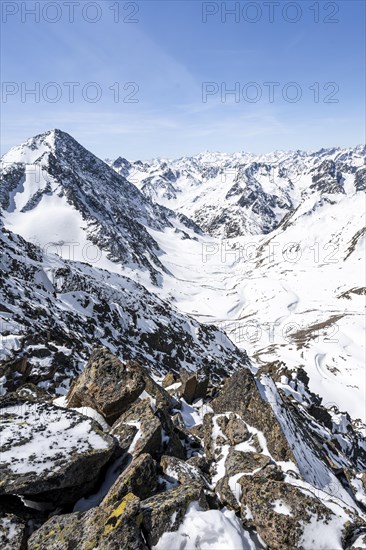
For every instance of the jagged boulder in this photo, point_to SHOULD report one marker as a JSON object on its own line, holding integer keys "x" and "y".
{"x": 228, "y": 493}
{"x": 182, "y": 471}
{"x": 49, "y": 453}
{"x": 108, "y": 527}
{"x": 240, "y": 462}
{"x": 237, "y": 464}
{"x": 165, "y": 512}
{"x": 194, "y": 385}
{"x": 209, "y": 443}
{"x": 107, "y": 385}
{"x": 236, "y": 430}
{"x": 155, "y": 432}
{"x": 284, "y": 515}
{"x": 140, "y": 478}
{"x": 116, "y": 521}
{"x": 13, "y": 532}
{"x": 157, "y": 393}
{"x": 146, "y": 425}
{"x": 168, "y": 380}
{"x": 124, "y": 434}
{"x": 240, "y": 395}
{"x": 172, "y": 437}
{"x": 236, "y": 393}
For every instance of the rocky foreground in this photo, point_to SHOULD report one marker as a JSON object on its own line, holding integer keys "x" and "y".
{"x": 127, "y": 461}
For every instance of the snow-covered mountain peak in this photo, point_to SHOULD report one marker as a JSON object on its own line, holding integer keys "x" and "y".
{"x": 54, "y": 190}
{"x": 34, "y": 148}
{"x": 242, "y": 193}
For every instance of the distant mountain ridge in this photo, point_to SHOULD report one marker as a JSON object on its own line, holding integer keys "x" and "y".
{"x": 229, "y": 195}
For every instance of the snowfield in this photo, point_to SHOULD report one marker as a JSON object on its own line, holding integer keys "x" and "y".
{"x": 195, "y": 262}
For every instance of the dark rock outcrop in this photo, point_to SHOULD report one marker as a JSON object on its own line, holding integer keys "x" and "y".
{"x": 49, "y": 453}
{"x": 165, "y": 512}
{"x": 241, "y": 396}
{"x": 107, "y": 385}
{"x": 107, "y": 526}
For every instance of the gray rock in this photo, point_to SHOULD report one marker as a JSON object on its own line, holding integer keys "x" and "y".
{"x": 157, "y": 392}
{"x": 140, "y": 478}
{"x": 182, "y": 471}
{"x": 194, "y": 385}
{"x": 165, "y": 512}
{"x": 124, "y": 434}
{"x": 209, "y": 444}
{"x": 281, "y": 530}
{"x": 168, "y": 380}
{"x": 171, "y": 444}
{"x": 146, "y": 423}
{"x": 13, "y": 532}
{"x": 238, "y": 461}
{"x": 226, "y": 495}
{"x": 241, "y": 396}
{"x": 49, "y": 453}
{"x": 107, "y": 527}
{"x": 107, "y": 385}
{"x": 236, "y": 430}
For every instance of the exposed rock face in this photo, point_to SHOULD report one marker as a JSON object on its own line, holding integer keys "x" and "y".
{"x": 360, "y": 179}
{"x": 236, "y": 394}
{"x": 194, "y": 385}
{"x": 239, "y": 461}
{"x": 282, "y": 512}
{"x": 116, "y": 521}
{"x": 162, "y": 454}
{"x": 108, "y": 527}
{"x": 155, "y": 391}
{"x": 49, "y": 453}
{"x": 124, "y": 434}
{"x": 169, "y": 380}
{"x": 46, "y": 343}
{"x": 12, "y": 532}
{"x": 166, "y": 511}
{"x": 327, "y": 178}
{"x": 240, "y": 395}
{"x": 141, "y": 417}
{"x": 75, "y": 177}
{"x": 172, "y": 440}
{"x": 256, "y": 192}
{"x": 139, "y": 478}
{"x": 107, "y": 385}
{"x": 182, "y": 471}
{"x": 263, "y": 445}
{"x": 236, "y": 430}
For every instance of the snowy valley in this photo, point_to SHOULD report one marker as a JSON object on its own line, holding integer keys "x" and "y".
{"x": 192, "y": 331}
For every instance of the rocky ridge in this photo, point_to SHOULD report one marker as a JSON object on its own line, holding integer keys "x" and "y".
{"x": 165, "y": 470}
{"x": 230, "y": 195}
{"x": 54, "y": 311}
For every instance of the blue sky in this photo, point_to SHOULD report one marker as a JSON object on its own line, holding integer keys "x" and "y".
{"x": 160, "y": 55}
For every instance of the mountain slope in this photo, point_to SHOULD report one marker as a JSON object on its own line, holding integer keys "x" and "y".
{"x": 260, "y": 451}
{"x": 62, "y": 197}
{"x": 53, "y": 312}
{"x": 240, "y": 194}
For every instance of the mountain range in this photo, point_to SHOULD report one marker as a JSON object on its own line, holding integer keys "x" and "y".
{"x": 200, "y": 267}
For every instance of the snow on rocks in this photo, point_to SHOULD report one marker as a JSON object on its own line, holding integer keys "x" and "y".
{"x": 48, "y": 452}
{"x": 208, "y": 530}
{"x": 196, "y": 476}
{"x": 12, "y": 533}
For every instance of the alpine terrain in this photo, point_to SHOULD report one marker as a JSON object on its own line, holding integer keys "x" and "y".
{"x": 182, "y": 360}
